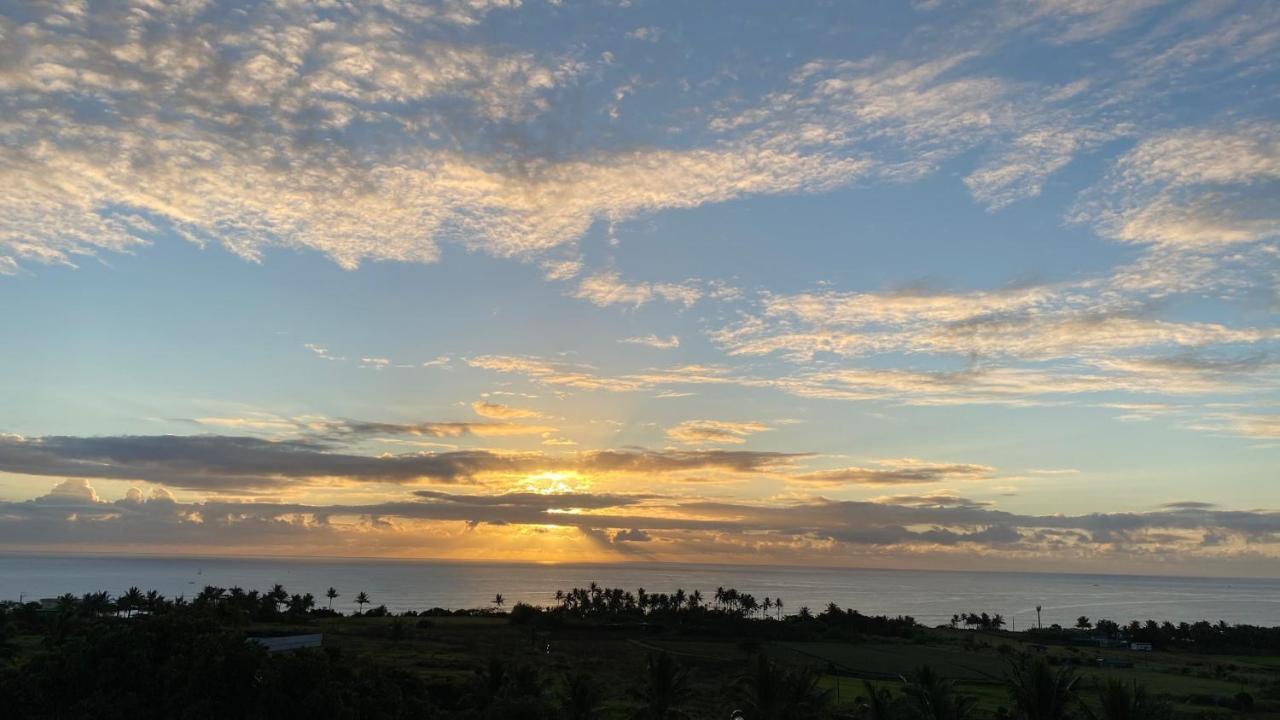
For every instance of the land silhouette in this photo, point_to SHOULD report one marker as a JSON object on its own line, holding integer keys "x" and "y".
{"x": 601, "y": 653}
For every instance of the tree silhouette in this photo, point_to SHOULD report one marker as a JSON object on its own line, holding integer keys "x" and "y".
{"x": 331, "y": 594}
{"x": 877, "y": 704}
{"x": 666, "y": 688}
{"x": 772, "y": 693}
{"x": 1038, "y": 691}
{"x": 931, "y": 697}
{"x": 582, "y": 697}
{"x": 361, "y": 599}
{"x": 131, "y": 600}
{"x": 1083, "y": 623}
{"x": 1118, "y": 700}
{"x": 498, "y": 601}
{"x": 1038, "y": 626}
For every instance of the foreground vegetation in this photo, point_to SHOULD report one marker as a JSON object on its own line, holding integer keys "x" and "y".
{"x": 608, "y": 653}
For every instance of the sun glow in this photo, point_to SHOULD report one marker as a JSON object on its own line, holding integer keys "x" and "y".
{"x": 554, "y": 482}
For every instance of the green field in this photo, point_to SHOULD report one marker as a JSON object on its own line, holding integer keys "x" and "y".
{"x": 451, "y": 650}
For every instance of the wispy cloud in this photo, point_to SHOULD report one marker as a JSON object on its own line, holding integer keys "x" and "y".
{"x": 697, "y": 432}
{"x": 653, "y": 341}
{"x": 902, "y": 471}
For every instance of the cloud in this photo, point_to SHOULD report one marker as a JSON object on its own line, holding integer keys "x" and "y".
{"x": 73, "y": 490}
{"x": 254, "y": 134}
{"x": 1254, "y": 425}
{"x": 607, "y": 288}
{"x": 938, "y": 500}
{"x": 1031, "y": 322}
{"x": 632, "y": 535}
{"x": 233, "y": 463}
{"x": 933, "y": 526}
{"x": 694, "y": 432}
{"x": 1189, "y": 505}
{"x": 653, "y": 341}
{"x": 322, "y": 352}
{"x": 502, "y": 412}
{"x": 1193, "y": 188}
{"x": 330, "y": 430}
{"x": 902, "y": 471}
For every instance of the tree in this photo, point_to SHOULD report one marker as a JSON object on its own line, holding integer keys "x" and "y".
{"x": 277, "y": 596}
{"x": 772, "y": 693}
{"x": 1038, "y": 691}
{"x": 1118, "y": 700}
{"x": 582, "y": 697}
{"x": 131, "y": 600}
{"x": 877, "y": 704}
{"x": 499, "y": 601}
{"x": 1038, "y": 617}
{"x": 1083, "y": 622}
{"x": 362, "y": 599}
{"x": 931, "y": 697}
{"x": 666, "y": 688}
{"x": 331, "y": 594}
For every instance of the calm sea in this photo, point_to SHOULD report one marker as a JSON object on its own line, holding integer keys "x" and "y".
{"x": 930, "y": 597}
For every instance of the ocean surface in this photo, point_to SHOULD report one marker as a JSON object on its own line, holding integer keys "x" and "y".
{"x": 930, "y": 597}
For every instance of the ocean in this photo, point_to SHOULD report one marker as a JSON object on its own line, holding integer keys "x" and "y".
{"x": 929, "y": 596}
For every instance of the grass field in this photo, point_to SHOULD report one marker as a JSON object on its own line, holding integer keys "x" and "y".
{"x": 450, "y": 651}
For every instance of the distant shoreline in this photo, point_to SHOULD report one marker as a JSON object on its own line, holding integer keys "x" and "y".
{"x": 647, "y": 564}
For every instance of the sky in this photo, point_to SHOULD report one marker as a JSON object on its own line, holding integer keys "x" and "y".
{"x": 933, "y": 284}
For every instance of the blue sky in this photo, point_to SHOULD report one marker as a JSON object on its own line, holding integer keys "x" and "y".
{"x": 907, "y": 284}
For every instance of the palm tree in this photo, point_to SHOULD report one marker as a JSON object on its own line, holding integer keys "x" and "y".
{"x": 331, "y": 594}
{"x": 582, "y": 697}
{"x": 1038, "y": 626}
{"x": 877, "y": 704}
{"x": 766, "y": 606}
{"x": 499, "y": 601}
{"x": 763, "y": 689}
{"x": 1038, "y": 691}
{"x": 361, "y": 599}
{"x": 131, "y": 600}
{"x": 777, "y": 605}
{"x": 775, "y": 694}
{"x": 695, "y": 599}
{"x": 665, "y": 690}
{"x": 1083, "y": 623}
{"x": 278, "y": 595}
{"x": 931, "y": 697}
{"x": 1118, "y": 700}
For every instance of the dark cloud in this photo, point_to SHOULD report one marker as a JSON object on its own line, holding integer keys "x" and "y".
{"x": 241, "y": 463}
{"x": 1189, "y": 505}
{"x": 226, "y": 463}
{"x": 73, "y": 514}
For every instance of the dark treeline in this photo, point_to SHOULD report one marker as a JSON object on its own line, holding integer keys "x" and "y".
{"x": 141, "y": 655}
{"x": 722, "y": 609}
{"x": 1201, "y": 636}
